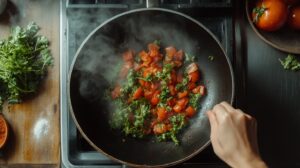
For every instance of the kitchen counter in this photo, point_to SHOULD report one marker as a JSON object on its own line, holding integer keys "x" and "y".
{"x": 34, "y": 139}
{"x": 269, "y": 93}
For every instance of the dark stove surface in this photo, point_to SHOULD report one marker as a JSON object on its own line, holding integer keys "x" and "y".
{"x": 82, "y": 16}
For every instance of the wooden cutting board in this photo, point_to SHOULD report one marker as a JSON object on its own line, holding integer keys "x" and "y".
{"x": 34, "y": 138}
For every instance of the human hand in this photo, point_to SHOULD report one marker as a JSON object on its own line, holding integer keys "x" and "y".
{"x": 234, "y": 136}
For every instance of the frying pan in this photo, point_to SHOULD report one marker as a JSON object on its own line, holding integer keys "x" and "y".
{"x": 93, "y": 70}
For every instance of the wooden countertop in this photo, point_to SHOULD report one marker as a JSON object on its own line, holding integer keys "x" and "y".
{"x": 34, "y": 124}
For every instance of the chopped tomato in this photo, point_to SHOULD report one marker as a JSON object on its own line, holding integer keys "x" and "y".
{"x": 170, "y": 52}
{"x": 146, "y": 72}
{"x": 173, "y": 77}
{"x": 183, "y": 101}
{"x": 161, "y": 113}
{"x": 179, "y": 77}
{"x": 138, "y": 93}
{"x": 191, "y": 85}
{"x": 172, "y": 90}
{"x": 153, "y": 50}
{"x": 194, "y": 76}
{"x": 157, "y": 58}
{"x": 171, "y": 102}
{"x": 145, "y": 58}
{"x": 192, "y": 68}
{"x": 148, "y": 94}
{"x": 152, "y": 87}
{"x": 177, "y": 63}
{"x": 177, "y": 108}
{"x": 190, "y": 111}
{"x": 155, "y": 98}
{"x": 199, "y": 89}
{"x": 182, "y": 94}
{"x": 178, "y": 56}
{"x": 159, "y": 128}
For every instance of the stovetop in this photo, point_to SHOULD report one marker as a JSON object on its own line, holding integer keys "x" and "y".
{"x": 80, "y": 17}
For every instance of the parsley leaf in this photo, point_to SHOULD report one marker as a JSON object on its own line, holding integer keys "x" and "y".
{"x": 24, "y": 59}
{"x": 290, "y": 63}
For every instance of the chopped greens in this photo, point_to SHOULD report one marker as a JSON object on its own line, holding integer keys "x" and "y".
{"x": 155, "y": 98}
{"x": 211, "y": 58}
{"x": 24, "y": 59}
{"x": 290, "y": 63}
{"x": 178, "y": 122}
{"x": 194, "y": 100}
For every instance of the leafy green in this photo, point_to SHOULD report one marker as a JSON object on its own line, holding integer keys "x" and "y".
{"x": 130, "y": 83}
{"x": 183, "y": 85}
{"x": 211, "y": 58}
{"x": 157, "y": 42}
{"x": 290, "y": 63}
{"x": 145, "y": 115}
{"x": 166, "y": 72}
{"x": 134, "y": 125}
{"x": 24, "y": 59}
{"x": 194, "y": 100}
{"x": 178, "y": 122}
{"x": 258, "y": 11}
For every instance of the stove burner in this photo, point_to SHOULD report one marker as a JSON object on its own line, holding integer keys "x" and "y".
{"x": 80, "y": 17}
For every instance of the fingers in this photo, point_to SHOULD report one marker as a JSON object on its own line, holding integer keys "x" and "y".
{"x": 213, "y": 126}
{"x": 212, "y": 120}
{"x": 220, "y": 112}
{"x": 227, "y": 106}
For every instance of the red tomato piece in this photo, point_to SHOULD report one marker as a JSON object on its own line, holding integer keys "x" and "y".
{"x": 179, "y": 77}
{"x": 182, "y": 94}
{"x": 194, "y": 76}
{"x": 153, "y": 50}
{"x": 191, "y": 85}
{"x": 173, "y": 77}
{"x": 159, "y": 128}
{"x": 190, "y": 111}
{"x": 170, "y": 52}
{"x": 178, "y": 56}
{"x": 177, "y": 108}
{"x": 192, "y": 68}
{"x": 183, "y": 102}
{"x": 155, "y": 98}
{"x": 138, "y": 93}
{"x": 199, "y": 89}
{"x": 161, "y": 114}
{"x": 172, "y": 90}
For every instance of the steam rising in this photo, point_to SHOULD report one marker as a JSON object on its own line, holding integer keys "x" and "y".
{"x": 99, "y": 57}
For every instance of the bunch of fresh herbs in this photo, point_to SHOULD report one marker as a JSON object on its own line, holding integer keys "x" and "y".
{"x": 24, "y": 59}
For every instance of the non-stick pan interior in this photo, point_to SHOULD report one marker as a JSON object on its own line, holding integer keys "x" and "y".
{"x": 93, "y": 71}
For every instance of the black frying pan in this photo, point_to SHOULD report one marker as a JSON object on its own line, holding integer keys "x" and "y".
{"x": 92, "y": 71}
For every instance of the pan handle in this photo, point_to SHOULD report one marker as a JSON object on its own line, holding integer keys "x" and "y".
{"x": 152, "y": 3}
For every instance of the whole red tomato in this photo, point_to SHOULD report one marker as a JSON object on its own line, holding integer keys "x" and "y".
{"x": 270, "y": 15}
{"x": 294, "y": 18}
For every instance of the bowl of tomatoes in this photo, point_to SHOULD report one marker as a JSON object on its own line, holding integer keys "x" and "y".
{"x": 277, "y": 22}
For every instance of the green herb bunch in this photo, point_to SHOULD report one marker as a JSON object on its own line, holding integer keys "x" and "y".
{"x": 24, "y": 60}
